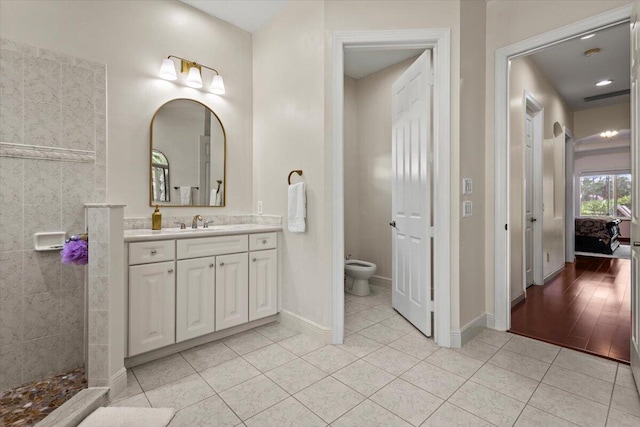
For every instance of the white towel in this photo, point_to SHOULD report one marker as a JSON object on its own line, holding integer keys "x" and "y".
{"x": 212, "y": 198}
{"x": 185, "y": 195}
{"x": 297, "y": 208}
{"x": 219, "y": 197}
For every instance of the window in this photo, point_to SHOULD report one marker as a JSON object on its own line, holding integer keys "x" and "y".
{"x": 605, "y": 195}
{"x": 160, "y": 176}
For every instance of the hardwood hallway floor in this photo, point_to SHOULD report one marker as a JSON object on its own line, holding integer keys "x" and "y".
{"x": 587, "y": 307}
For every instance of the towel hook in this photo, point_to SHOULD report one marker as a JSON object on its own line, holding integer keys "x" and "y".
{"x": 298, "y": 171}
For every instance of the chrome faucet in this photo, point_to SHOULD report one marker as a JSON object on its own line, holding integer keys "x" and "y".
{"x": 194, "y": 223}
{"x": 206, "y": 224}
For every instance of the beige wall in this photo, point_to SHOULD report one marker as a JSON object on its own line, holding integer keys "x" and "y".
{"x": 132, "y": 38}
{"x": 595, "y": 120}
{"x": 509, "y": 22}
{"x": 371, "y": 166}
{"x": 289, "y": 134}
{"x": 472, "y": 108}
{"x": 525, "y": 76}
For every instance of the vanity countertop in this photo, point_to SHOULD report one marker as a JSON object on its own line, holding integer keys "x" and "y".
{"x": 190, "y": 233}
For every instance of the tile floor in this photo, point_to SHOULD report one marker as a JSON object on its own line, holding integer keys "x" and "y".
{"x": 385, "y": 374}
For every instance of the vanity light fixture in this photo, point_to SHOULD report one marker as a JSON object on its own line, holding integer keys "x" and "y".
{"x": 194, "y": 74}
{"x": 609, "y": 134}
{"x": 606, "y": 82}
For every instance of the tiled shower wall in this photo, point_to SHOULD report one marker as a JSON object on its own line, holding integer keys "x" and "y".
{"x": 52, "y": 161}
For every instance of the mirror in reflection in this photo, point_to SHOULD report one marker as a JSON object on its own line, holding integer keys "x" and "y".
{"x": 188, "y": 144}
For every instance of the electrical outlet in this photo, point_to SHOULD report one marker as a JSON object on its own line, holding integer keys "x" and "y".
{"x": 548, "y": 256}
{"x": 260, "y": 207}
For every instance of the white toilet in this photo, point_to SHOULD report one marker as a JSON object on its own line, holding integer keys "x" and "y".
{"x": 358, "y": 273}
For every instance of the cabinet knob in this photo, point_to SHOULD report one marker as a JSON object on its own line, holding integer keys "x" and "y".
{"x": 255, "y": 259}
{"x": 264, "y": 242}
{"x": 170, "y": 271}
{"x": 221, "y": 264}
{"x": 211, "y": 265}
{"x": 153, "y": 252}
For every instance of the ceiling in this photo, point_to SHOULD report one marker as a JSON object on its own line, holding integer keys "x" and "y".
{"x": 249, "y": 15}
{"x": 361, "y": 63}
{"x": 574, "y": 75}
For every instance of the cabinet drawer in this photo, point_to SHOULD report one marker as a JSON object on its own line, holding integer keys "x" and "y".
{"x": 210, "y": 246}
{"x": 147, "y": 252}
{"x": 258, "y": 242}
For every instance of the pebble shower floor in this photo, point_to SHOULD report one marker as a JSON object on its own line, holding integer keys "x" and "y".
{"x": 30, "y": 403}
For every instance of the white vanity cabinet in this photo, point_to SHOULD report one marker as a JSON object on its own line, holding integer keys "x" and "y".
{"x": 185, "y": 288}
{"x": 263, "y": 284}
{"x": 195, "y": 297}
{"x": 232, "y": 290}
{"x": 152, "y": 302}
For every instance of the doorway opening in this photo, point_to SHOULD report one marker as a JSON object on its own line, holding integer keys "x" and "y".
{"x": 436, "y": 45}
{"x": 571, "y": 286}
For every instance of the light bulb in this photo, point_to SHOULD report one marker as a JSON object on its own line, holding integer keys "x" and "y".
{"x": 194, "y": 79}
{"x": 168, "y": 69}
{"x": 217, "y": 85}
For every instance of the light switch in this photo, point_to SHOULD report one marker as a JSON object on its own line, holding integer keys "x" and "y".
{"x": 467, "y": 208}
{"x": 467, "y": 186}
{"x": 260, "y": 208}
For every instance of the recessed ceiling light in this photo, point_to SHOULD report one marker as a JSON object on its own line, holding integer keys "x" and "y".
{"x": 588, "y": 36}
{"x": 604, "y": 82}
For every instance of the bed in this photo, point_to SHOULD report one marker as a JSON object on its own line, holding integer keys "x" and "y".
{"x": 599, "y": 235}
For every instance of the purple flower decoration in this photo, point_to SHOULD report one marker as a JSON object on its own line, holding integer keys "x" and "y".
{"x": 75, "y": 252}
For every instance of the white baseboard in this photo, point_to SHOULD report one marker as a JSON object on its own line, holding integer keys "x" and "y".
{"x": 469, "y": 331}
{"x": 306, "y": 326}
{"x": 491, "y": 321}
{"x": 554, "y": 273}
{"x": 117, "y": 383}
{"x": 383, "y": 282}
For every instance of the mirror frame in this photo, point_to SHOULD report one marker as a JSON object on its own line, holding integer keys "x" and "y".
{"x": 150, "y": 174}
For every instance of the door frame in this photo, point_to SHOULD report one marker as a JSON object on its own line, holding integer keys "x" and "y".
{"x": 532, "y": 105}
{"x": 440, "y": 41}
{"x": 502, "y": 241}
{"x": 569, "y": 194}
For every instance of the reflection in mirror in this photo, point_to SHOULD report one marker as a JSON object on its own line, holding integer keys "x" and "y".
{"x": 188, "y": 136}
{"x": 160, "y": 176}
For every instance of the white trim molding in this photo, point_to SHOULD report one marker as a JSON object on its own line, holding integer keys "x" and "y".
{"x": 440, "y": 41}
{"x": 22, "y": 151}
{"x": 306, "y": 326}
{"x": 469, "y": 331}
{"x": 503, "y": 55}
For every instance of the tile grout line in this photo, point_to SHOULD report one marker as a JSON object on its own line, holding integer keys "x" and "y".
{"x": 613, "y": 389}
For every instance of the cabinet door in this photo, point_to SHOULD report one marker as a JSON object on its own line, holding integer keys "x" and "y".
{"x": 195, "y": 298}
{"x": 152, "y": 302}
{"x": 232, "y": 290}
{"x": 263, "y": 284}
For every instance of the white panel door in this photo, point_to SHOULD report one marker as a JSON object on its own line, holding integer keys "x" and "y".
{"x": 195, "y": 298}
{"x": 529, "y": 219}
{"x": 263, "y": 284}
{"x": 635, "y": 193}
{"x": 152, "y": 300}
{"x": 411, "y": 193}
{"x": 232, "y": 290}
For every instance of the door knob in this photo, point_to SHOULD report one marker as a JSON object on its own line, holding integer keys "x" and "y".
{"x": 393, "y": 224}
{"x": 534, "y": 219}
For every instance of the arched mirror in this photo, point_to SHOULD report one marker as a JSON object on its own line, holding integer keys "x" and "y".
{"x": 188, "y": 141}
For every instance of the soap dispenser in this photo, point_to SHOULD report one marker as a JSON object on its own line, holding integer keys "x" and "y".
{"x": 156, "y": 219}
